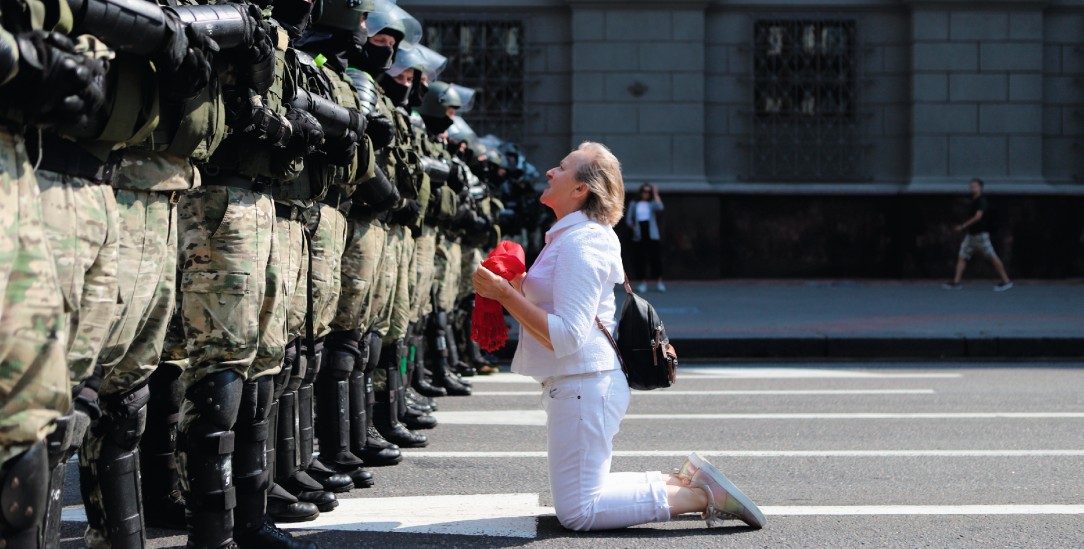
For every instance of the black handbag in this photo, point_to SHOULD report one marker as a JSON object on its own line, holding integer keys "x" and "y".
{"x": 643, "y": 349}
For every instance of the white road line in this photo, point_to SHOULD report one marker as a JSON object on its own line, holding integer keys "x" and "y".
{"x": 497, "y": 515}
{"x": 710, "y": 372}
{"x": 837, "y": 510}
{"x": 768, "y": 453}
{"x": 538, "y": 417}
{"x": 672, "y": 392}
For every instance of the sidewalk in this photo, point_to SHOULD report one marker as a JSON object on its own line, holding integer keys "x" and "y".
{"x": 871, "y": 319}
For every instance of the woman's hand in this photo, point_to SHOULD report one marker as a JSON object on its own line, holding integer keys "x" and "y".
{"x": 489, "y": 284}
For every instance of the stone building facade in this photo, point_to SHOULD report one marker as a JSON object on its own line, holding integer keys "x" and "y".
{"x": 803, "y": 139}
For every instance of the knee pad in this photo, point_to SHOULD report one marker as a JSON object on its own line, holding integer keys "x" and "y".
{"x": 24, "y": 490}
{"x": 124, "y": 418}
{"x": 216, "y": 399}
{"x": 375, "y": 344}
{"x": 314, "y": 357}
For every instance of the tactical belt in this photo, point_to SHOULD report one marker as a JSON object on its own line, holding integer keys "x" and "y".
{"x": 257, "y": 185}
{"x": 62, "y": 156}
{"x": 288, "y": 212}
{"x": 362, "y": 212}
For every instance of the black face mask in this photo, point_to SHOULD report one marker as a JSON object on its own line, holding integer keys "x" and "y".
{"x": 394, "y": 90}
{"x": 371, "y": 58}
{"x": 417, "y": 93}
{"x": 436, "y": 124}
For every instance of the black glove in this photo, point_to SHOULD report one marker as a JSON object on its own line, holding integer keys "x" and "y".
{"x": 255, "y": 119}
{"x": 55, "y": 85}
{"x": 186, "y": 76}
{"x": 378, "y": 193}
{"x": 408, "y": 214}
{"x": 307, "y": 132}
{"x": 256, "y": 60}
{"x": 341, "y": 150}
{"x": 380, "y": 130}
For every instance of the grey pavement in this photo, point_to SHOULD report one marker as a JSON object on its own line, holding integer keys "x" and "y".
{"x": 871, "y": 319}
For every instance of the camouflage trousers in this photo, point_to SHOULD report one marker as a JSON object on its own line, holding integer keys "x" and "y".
{"x": 424, "y": 269}
{"x": 81, "y": 221}
{"x": 363, "y": 276}
{"x": 328, "y": 230}
{"x": 401, "y": 244}
{"x": 294, "y": 264}
{"x": 449, "y": 257}
{"x": 232, "y": 306}
{"x": 148, "y": 276}
{"x": 34, "y": 387}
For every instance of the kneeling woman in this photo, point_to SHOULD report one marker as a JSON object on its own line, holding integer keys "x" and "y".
{"x": 585, "y": 393}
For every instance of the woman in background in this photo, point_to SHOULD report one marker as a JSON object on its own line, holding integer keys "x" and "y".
{"x": 645, "y": 236}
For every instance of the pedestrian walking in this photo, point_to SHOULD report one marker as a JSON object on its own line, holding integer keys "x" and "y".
{"x": 643, "y": 221}
{"x": 977, "y": 239}
{"x": 558, "y": 303}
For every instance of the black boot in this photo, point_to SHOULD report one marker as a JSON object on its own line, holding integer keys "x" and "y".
{"x": 269, "y": 536}
{"x": 250, "y": 469}
{"x": 359, "y": 416}
{"x": 444, "y": 344}
{"x": 377, "y": 451}
{"x": 386, "y": 410}
{"x": 110, "y": 480}
{"x": 420, "y": 380}
{"x": 163, "y": 505}
{"x": 333, "y": 405}
{"x": 43, "y": 469}
{"x": 285, "y": 454}
{"x": 208, "y": 445}
{"x": 330, "y": 480}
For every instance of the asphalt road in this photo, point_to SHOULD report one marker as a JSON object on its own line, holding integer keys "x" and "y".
{"x": 837, "y": 455}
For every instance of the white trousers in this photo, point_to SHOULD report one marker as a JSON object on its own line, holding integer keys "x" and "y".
{"x": 583, "y": 414}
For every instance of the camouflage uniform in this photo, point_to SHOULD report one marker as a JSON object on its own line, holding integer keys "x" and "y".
{"x": 146, "y": 187}
{"x": 82, "y": 230}
{"x": 34, "y": 387}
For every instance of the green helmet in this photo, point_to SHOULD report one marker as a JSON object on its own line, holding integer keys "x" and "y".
{"x": 438, "y": 99}
{"x": 342, "y": 14}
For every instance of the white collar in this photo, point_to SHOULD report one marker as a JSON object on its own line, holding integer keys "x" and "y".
{"x": 574, "y": 218}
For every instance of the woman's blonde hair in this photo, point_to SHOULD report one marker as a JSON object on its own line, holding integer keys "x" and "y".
{"x": 601, "y": 172}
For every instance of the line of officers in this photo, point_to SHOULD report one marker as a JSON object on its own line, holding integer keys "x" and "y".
{"x": 224, "y": 236}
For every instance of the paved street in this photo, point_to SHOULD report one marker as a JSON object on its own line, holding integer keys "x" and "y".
{"x": 837, "y": 454}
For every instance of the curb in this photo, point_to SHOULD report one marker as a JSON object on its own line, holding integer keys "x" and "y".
{"x": 818, "y": 347}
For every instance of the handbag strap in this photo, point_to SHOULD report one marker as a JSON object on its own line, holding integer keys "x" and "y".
{"x": 614, "y": 344}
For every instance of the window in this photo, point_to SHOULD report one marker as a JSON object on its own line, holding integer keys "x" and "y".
{"x": 487, "y": 56}
{"x": 805, "y": 104}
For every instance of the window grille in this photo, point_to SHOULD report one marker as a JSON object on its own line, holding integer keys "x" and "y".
{"x": 805, "y": 117}
{"x": 487, "y": 56}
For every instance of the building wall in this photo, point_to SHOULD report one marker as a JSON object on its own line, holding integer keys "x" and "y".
{"x": 947, "y": 90}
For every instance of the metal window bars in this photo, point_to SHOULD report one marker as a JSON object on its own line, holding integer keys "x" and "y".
{"x": 805, "y": 119}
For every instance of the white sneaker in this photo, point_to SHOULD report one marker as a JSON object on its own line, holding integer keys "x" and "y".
{"x": 642, "y": 288}
{"x": 1003, "y": 287}
{"x": 660, "y": 287}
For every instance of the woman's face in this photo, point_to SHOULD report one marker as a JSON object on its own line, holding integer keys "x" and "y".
{"x": 645, "y": 193}
{"x": 565, "y": 193}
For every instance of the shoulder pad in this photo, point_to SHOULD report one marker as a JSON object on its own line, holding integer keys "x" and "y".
{"x": 366, "y": 88}
{"x": 304, "y": 58}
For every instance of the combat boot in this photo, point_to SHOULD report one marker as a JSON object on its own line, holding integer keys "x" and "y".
{"x": 109, "y": 472}
{"x": 269, "y": 536}
{"x": 208, "y": 445}
{"x": 306, "y": 428}
{"x": 333, "y": 405}
{"x": 386, "y": 410}
{"x": 163, "y": 505}
{"x": 444, "y": 345}
{"x": 419, "y": 380}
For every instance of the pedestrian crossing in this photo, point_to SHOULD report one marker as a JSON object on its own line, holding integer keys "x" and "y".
{"x": 516, "y": 514}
